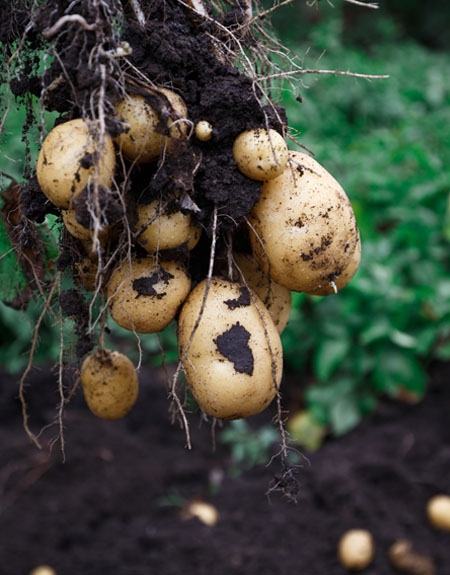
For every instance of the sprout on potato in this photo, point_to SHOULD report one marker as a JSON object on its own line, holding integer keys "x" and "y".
{"x": 234, "y": 361}
{"x": 141, "y": 142}
{"x": 356, "y": 549}
{"x": 158, "y": 229}
{"x": 144, "y": 295}
{"x": 260, "y": 154}
{"x": 65, "y": 164}
{"x": 304, "y": 230}
{"x": 110, "y": 384}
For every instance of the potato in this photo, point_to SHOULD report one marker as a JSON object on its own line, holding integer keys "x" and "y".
{"x": 304, "y": 225}
{"x": 43, "y": 570}
{"x": 205, "y": 512}
{"x": 145, "y": 295}
{"x": 60, "y": 171}
{"x": 438, "y": 512}
{"x": 203, "y": 131}
{"x": 86, "y": 271}
{"x": 165, "y": 230}
{"x": 110, "y": 384}
{"x": 356, "y": 549}
{"x": 275, "y": 297}
{"x": 142, "y": 142}
{"x": 260, "y": 155}
{"x": 229, "y": 366}
{"x": 76, "y": 230}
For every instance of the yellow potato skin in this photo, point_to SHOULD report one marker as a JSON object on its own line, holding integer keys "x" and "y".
{"x": 356, "y": 549}
{"x": 147, "y": 312}
{"x": 142, "y": 143}
{"x": 58, "y": 169}
{"x": 76, "y": 230}
{"x": 253, "y": 151}
{"x": 166, "y": 230}
{"x": 110, "y": 384}
{"x": 221, "y": 386}
{"x": 438, "y": 512}
{"x": 275, "y": 297}
{"x": 308, "y": 229}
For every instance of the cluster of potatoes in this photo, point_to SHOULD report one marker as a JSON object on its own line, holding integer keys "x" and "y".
{"x": 303, "y": 237}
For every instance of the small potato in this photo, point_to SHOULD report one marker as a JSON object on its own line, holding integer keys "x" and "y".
{"x": 275, "y": 297}
{"x": 234, "y": 362}
{"x": 164, "y": 231}
{"x": 64, "y": 167}
{"x": 356, "y": 549}
{"x": 76, "y": 230}
{"x": 203, "y": 131}
{"x": 260, "y": 155}
{"x": 438, "y": 512}
{"x": 145, "y": 295}
{"x": 142, "y": 142}
{"x": 110, "y": 384}
{"x": 43, "y": 570}
{"x": 304, "y": 225}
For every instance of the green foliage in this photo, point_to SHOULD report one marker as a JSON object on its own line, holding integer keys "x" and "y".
{"x": 386, "y": 142}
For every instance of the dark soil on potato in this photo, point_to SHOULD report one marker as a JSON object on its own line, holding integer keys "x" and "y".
{"x": 102, "y": 511}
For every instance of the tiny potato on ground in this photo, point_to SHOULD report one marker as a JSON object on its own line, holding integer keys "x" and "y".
{"x": 304, "y": 226}
{"x": 205, "y": 512}
{"x": 60, "y": 170}
{"x": 141, "y": 142}
{"x": 438, "y": 512}
{"x": 234, "y": 362}
{"x": 144, "y": 295}
{"x": 203, "y": 131}
{"x": 158, "y": 229}
{"x": 110, "y": 384}
{"x": 356, "y": 549}
{"x": 260, "y": 154}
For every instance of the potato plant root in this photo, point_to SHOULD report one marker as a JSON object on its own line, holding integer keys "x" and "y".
{"x": 105, "y": 510}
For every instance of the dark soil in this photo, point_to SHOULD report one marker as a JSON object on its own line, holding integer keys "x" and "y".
{"x": 101, "y": 512}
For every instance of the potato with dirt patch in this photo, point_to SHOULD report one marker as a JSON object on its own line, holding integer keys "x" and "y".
{"x": 234, "y": 362}
{"x": 144, "y": 295}
{"x": 110, "y": 384}
{"x": 260, "y": 154}
{"x": 141, "y": 141}
{"x": 158, "y": 228}
{"x": 66, "y": 162}
{"x": 303, "y": 229}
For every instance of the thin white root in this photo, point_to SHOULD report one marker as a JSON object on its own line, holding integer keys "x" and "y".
{"x": 372, "y": 5}
{"x": 50, "y": 32}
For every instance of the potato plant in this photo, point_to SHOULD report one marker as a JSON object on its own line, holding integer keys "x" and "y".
{"x": 169, "y": 172}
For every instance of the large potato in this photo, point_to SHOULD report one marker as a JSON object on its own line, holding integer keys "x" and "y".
{"x": 142, "y": 142}
{"x": 144, "y": 295}
{"x": 234, "y": 363}
{"x": 260, "y": 154}
{"x": 275, "y": 297}
{"x": 163, "y": 230}
{"x": 65, "y": 162}
{"x": 110, "y": 384}
{"x": 303, "y": 229}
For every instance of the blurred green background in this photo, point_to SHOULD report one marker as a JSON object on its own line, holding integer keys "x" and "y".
{"x": 387, "y": 143}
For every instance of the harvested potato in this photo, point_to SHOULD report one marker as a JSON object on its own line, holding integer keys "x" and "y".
{"x": 260, "y": 155}
{"x": 205, "y": 512}
{"x": 356, "y": 549}
{"x": 163, "y": 230}
{"x": 275, "y": 297}
{"x": 438, "y": 512}
{"x": 64, "y": 166}
{"x": 144, "y": 295}
{"x": 142, "y": 142}
{"x": 43, "y": 570}
{"x": 234, "y": 362}
{"x": 203, "y": 131}
{"x": 305, "y": 227}
{"x": 110, "y": 384}
{"x": 76, "y": 230}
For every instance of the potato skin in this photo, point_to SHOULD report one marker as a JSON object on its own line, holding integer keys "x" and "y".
{"x": 356, "y": 549}
{"x": 59, "y": 171}
{"x": 438, "y": 512}
{"x": 229, "y": 365}
{"x": 145, "y": 296}
{"x": 166, "y": 230}
{"x": 275, "y": 297}
{"x": 110, "y": 384}
{"x": 142, "y": 143}
{"x": 307, "y": 226}
{"x": 253, "y": 152}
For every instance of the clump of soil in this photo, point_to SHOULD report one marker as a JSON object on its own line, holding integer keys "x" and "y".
{"x": 114, "y": 505}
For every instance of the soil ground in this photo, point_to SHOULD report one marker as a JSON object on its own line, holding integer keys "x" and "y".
{"x": 102, "y": 511}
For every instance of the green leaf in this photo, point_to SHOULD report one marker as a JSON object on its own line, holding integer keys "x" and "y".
{"x": 344, "y": 415}
{"x": 329, "y": 354}
{"x": 395, "y": 370}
